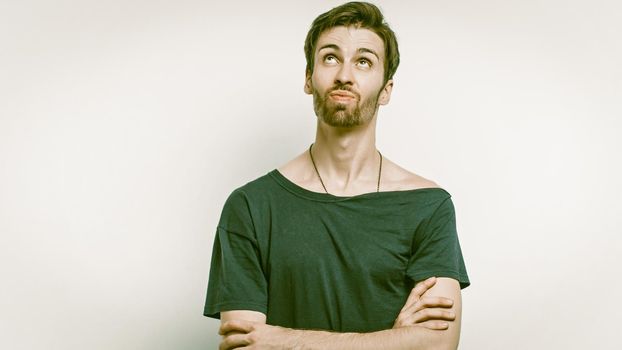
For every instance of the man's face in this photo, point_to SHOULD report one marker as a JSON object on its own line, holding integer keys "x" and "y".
{"x": 348, "y": 75}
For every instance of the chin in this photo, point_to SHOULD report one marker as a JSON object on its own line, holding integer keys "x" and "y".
{"x": 339, "y": 120}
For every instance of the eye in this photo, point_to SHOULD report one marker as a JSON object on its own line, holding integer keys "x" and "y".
{"x": 364, "y": 62}
{"x": 330, "y": 59}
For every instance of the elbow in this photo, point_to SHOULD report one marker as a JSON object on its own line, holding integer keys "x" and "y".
{"x": 446, "y": 342}
{"x": 445, "y": 346}
{"x": 436, "y": 339}
{"x": 441, "y": 344}
{"x": 448, "y": 339}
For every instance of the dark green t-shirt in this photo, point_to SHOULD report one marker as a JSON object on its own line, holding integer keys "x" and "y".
{"x": 312, "y": 260}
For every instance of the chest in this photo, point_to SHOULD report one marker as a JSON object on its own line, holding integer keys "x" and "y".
{"x": 344, "y": 245}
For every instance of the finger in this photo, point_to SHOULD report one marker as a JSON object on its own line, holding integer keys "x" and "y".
{"x": 418, "y": 291}
{"x": 236, "y": 326}
{"x": 232, "y": 333}
{"x": 234, "y": 341}
{"x": 429, "y": 302}
{"x": 439, "y": 302}
{"x": 423, "y": 316}
{"x": 433, "y": 315}
{"x": 434, "y": 325}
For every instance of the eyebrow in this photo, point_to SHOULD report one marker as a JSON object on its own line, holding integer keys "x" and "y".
{"x": 364, "y": 49}
{"x": 360, "y": 50}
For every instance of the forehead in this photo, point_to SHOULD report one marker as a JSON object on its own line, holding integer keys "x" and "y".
{"x": 351, "y": 39}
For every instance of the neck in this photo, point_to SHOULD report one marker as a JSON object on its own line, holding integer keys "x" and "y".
{"x": 347, "y": 157}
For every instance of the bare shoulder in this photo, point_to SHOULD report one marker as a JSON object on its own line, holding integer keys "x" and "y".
{"x": 295, "y": 169}
{"x": 396, "y": 178}
{"x": 298, "y": 171}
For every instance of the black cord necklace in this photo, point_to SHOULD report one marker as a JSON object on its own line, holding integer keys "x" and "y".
{"x": 322, "y": 182}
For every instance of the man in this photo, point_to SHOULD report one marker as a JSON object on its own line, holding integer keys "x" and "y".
{"x": 324, "y": 252}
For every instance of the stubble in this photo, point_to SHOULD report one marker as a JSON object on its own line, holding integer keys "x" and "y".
{"x": 344, "y": 115}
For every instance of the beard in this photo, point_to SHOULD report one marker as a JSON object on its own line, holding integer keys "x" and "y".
{"x": 344, "y": 115}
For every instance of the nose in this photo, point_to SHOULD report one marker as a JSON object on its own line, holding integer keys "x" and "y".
{"x": 344, "y": 75}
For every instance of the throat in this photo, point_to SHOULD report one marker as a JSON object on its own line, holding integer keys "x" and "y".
{"x": 347, "y": 181}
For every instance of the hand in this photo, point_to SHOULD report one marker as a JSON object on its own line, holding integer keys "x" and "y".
{"x": 260, "y": 336}
{"x": 424, "y": 311}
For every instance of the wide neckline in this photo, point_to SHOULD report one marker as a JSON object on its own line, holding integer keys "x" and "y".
{"x": 327, "y": 197}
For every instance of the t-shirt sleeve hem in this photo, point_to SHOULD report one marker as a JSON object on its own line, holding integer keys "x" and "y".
{"x": 461, "y": 278}
{"x": 213, "y": 310}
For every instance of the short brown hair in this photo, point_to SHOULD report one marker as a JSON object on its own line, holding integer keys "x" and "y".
{"x": 360, "y": 15}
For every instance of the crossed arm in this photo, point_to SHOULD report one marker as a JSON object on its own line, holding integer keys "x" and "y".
{"x": 430, "y": 319}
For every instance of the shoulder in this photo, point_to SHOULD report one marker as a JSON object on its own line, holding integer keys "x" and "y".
{"x": 301, "y": 173}
{"x": 243, "y": 203}
{"x": 396, "y": 178}
{"x": 252, "y": 192}
{"x": 256, "y": 185}
{"x": 296, "y": 169}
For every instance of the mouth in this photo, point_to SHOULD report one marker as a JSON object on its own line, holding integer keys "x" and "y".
{"x": 342, "y": 95}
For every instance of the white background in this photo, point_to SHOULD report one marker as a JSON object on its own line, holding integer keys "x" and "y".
{"x": 124, "y": 125}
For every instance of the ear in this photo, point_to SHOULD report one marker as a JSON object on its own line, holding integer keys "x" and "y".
{"x": 385, "y": 93}
{"x": 308, "y": 86}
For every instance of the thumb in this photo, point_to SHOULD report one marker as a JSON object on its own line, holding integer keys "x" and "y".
{"x": 418, "y": 290}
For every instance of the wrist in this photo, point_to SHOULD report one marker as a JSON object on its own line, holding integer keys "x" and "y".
{"x": 294, "y": 339}
{"x": 326, "y": 340}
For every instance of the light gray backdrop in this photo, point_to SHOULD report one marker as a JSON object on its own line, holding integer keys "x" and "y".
{"x": 124, "y": 125}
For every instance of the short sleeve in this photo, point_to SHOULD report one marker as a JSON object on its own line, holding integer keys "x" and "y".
{"x": 236, "y": 279}
{"x": 436, "y": 248}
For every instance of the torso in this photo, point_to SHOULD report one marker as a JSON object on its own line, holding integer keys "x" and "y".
{"x": 344, "y": 264}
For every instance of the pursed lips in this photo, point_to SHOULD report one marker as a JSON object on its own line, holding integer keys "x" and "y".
{"x": 342, "y": 95}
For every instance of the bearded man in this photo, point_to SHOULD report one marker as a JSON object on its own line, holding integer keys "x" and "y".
{"x": 340, "y": 248}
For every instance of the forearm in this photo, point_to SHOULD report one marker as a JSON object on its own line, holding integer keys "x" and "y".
{"x": 407, "y": 338}
{"x": 241, "y": 328}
